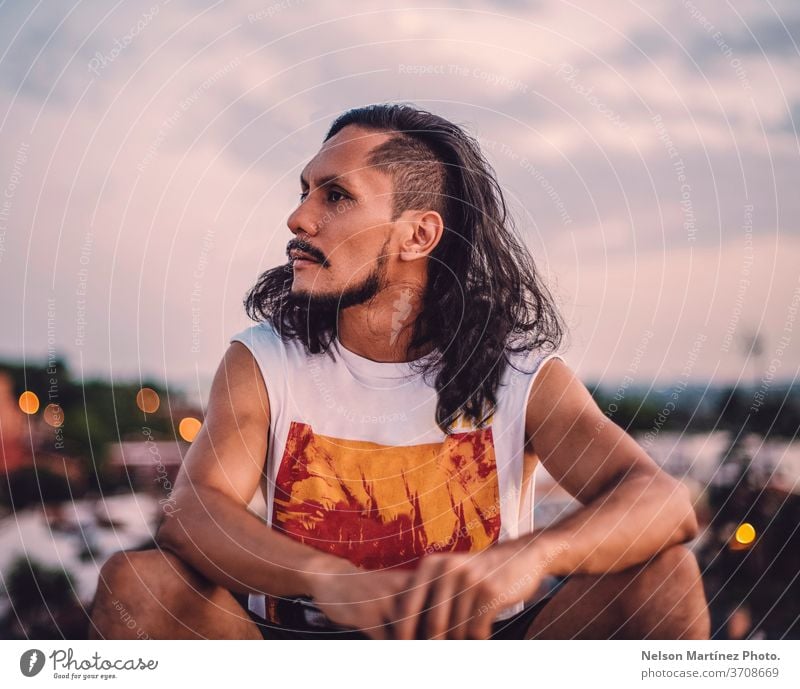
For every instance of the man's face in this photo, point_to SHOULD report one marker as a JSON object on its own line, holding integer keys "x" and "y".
{"x": 344, "y": 222}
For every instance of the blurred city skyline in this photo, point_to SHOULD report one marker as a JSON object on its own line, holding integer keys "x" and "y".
{"x": 150, "y": 158}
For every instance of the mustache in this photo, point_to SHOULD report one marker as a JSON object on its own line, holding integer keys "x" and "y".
{"x": 305, "y": 247}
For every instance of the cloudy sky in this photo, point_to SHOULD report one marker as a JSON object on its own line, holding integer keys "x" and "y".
{"x": 149, "y": 155}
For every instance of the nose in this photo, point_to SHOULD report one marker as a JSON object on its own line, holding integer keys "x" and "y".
{"x": 301, "y": 220}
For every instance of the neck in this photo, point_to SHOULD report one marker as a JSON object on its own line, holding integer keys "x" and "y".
{"x": 381, "y": 330}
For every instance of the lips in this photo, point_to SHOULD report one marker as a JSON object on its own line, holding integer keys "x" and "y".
{"x": 297, "y": 255}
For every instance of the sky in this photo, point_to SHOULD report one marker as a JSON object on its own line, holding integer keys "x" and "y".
{"x": 150, "y": 154}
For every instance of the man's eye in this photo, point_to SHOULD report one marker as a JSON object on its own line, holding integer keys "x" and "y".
{"x": 334, "y": 196}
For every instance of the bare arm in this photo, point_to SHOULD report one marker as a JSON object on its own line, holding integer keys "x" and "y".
{"x": 210, "y": 526}
{"x": 632, "y": 509}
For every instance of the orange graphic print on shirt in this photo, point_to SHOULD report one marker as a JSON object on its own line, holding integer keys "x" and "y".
{"x": 385, "y": 506}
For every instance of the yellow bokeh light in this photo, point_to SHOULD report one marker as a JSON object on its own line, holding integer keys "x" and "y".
{"x": 147, "y": 400}
{"x": 745, "y": 534}
{"x": 29, "y": 402}
{"x": 54, "y": 415}
{"x": 188, "y": 428}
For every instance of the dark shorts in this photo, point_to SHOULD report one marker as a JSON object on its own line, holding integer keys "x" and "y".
{"x": 512, "y": 628}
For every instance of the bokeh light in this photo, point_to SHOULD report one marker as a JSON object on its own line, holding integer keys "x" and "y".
{"x": 745, "y": 534}
{"x": 54, "y": 415}
{"x": 189, "y": 428}
{"x": 29, "y": 402}
{"x": 147, "y": 400}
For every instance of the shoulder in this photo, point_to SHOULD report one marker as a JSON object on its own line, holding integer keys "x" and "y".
{"x": 262, "y": 332}
{"x": 557, "y": 397}
{"x": 527, "y": 366}
{"x": 259, "y": 353}
{"x": 529, "y": 361}
{"x": 238, "y": 389}
{"x": 264, "y": 342}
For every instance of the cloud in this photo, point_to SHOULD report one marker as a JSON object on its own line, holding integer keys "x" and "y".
{"x": 182, "y": 147}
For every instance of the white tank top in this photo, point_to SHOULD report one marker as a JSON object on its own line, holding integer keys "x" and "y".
{"x": 357, "y": 467}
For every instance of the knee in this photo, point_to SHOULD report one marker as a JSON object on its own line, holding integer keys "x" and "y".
{"x": 673, "y": 568}
{"x": 669, "y": 600}
{"x": 136, "y": 591}
{"x": 136, "y": 575}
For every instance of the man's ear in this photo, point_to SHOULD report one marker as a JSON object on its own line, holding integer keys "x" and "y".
{"x": 425, "y": 232}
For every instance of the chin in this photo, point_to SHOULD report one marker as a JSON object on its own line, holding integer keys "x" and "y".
{"x": 302, "y": 288}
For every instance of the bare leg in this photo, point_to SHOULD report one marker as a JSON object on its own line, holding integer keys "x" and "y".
{"x": 660, "y": 599}
{"x": 154, "y": 594}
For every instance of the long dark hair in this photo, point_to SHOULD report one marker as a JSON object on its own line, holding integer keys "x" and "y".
{"x": 484, "y": 297}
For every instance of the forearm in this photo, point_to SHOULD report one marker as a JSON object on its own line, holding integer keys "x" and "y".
{"x": 622, "y": 527}
{"x": 233, "y": 548}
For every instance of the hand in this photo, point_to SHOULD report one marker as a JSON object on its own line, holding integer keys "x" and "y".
{"x": 361, "y": 599}
{"x": 458, "y": 595}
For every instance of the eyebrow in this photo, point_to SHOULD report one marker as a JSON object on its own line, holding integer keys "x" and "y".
{"x": 325, "y": 180}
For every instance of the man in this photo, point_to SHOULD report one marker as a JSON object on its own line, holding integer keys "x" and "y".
{"x": 393, "y": 400}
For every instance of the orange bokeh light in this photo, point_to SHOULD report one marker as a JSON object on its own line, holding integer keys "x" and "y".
{"x": 29, "y": 402}
{"x": 745, "y": 534}
{"x": 189, "y": 428}
{"x": 147, "y": 400}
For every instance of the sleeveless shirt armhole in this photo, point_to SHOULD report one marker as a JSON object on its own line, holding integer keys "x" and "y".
{"x": 530, "y": 502}
{"x": 259, "y": 342}
{"x": 256, "y": 339}
{"x": 262, "y": 342}
{"x": 535, "y": 373}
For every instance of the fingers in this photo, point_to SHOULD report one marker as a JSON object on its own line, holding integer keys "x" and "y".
{"x": 480, "y": 624}
{"x": 442, "y": 598}
{"x": 384, "y": 606}
{"x": 463, "y": 610}
{"x": 436, "y": 617}
{"x": 440, "y": 602}
{"x": 379, "y": 632}
{"x": 409, "y": 603}
{"x": 382, "y": 630}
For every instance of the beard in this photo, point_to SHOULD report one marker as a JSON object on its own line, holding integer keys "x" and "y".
{"x": 327, "y": 306}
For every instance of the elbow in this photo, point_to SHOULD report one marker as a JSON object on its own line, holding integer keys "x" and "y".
{"x": 688, "y": 526}
{"x": 165, "y": 535}
{"x": 180, "y": 520}
{"x": 691, "y": 528}
{"x": 677, "y": 507}
{"x": 170, "y": 534}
